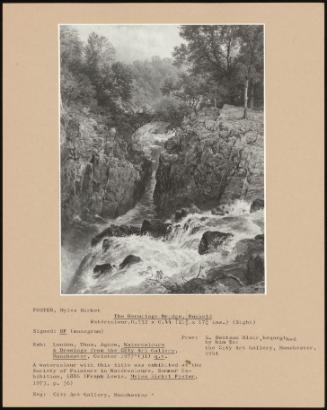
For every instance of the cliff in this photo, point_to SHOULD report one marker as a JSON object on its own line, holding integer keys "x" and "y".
{"x": 214, "y": 158}
{"x": 102, "y": 174}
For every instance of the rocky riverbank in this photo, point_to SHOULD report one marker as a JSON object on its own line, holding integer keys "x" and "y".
{"x": 214, "y": 158}
{"x": 205, "y": 233}
{"x": 197, "y": 253}
{"x": 103, "y": 175}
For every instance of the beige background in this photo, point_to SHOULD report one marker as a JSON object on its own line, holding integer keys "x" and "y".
{"x": 294, "y": 158}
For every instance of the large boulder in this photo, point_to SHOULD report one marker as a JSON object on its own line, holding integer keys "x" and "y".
{"x": 257, "y": 204}
{"x": 235, "y": 270}
{"x": 212, "y": 240}
{"x": 195, "y": 285}
{"x": 116, "y": 230}
{"x": 250, "y": 253}
{"x": 249, "y": 247}
{"x": 255, "y": 269}
{"x": 155, "y": 228}
{"x": 238, "y": 274}
{"x": 225, "y": 284}
{"x": 129, "y": 260}
{"x": 102, "y": 269}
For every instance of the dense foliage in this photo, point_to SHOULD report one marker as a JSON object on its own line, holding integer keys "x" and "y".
{"x": 223, "y": 63}
{"x": 92, "y": 79}
{"x": 214, "y": 65}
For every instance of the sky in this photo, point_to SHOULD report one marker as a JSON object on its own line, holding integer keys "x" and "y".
{"x": 136, "y": 42}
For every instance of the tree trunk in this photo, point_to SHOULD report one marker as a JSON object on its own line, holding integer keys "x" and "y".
{"x": 252, "y": 96}
{"x": 246, "y": 86}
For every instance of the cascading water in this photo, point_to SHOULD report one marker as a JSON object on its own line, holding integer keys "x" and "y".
{"x": 161, "y": 262}
{"x": 144, "y": 209}
{"x": 174, "y": 258}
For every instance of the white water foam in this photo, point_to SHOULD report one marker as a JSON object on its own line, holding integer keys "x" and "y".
{"x": 175, "y": 257}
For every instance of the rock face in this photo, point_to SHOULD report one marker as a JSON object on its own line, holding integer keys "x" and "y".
{"x": 257, "y": 204}
{"x": 212, "y": 240}
{"x": 250, "y": 253}
{"x": 255, "y": 269}
{"x": 211, "y": 161}
{"x": 245, "y": 274}
{"x": 248, "y": 247}
{"x": 101, "y": 176}
{"x": 155, "y": 228}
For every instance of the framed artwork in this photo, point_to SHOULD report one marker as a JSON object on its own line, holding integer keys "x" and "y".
{"x": 163, "y": 205}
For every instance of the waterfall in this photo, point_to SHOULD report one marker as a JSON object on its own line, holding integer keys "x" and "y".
{"x": 144, "y": 209}
{"x": 159, "y": 263}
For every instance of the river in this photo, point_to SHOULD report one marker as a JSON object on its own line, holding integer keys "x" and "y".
{"x": 172, "y": 259}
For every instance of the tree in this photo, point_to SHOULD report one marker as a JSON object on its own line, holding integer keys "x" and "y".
{"x": 208, "y": 48}
{"x": 76, "y": 88}
{"x": 121, "y": 81}
{"x": 168, "y": 86}
{"x": 99, "y": 56}
{"x": 191, "y": 89}
{"x": 209, "y": 52}
{"x": 250, "y": 60}
{"x": 71, "y": 49}
{"x": 229, "y": 57}
{"x": 149, "y": 79}
{"x": 171, "y": 110}
{"x": 75, "y": 85}
{"x": 112, "y": 80}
